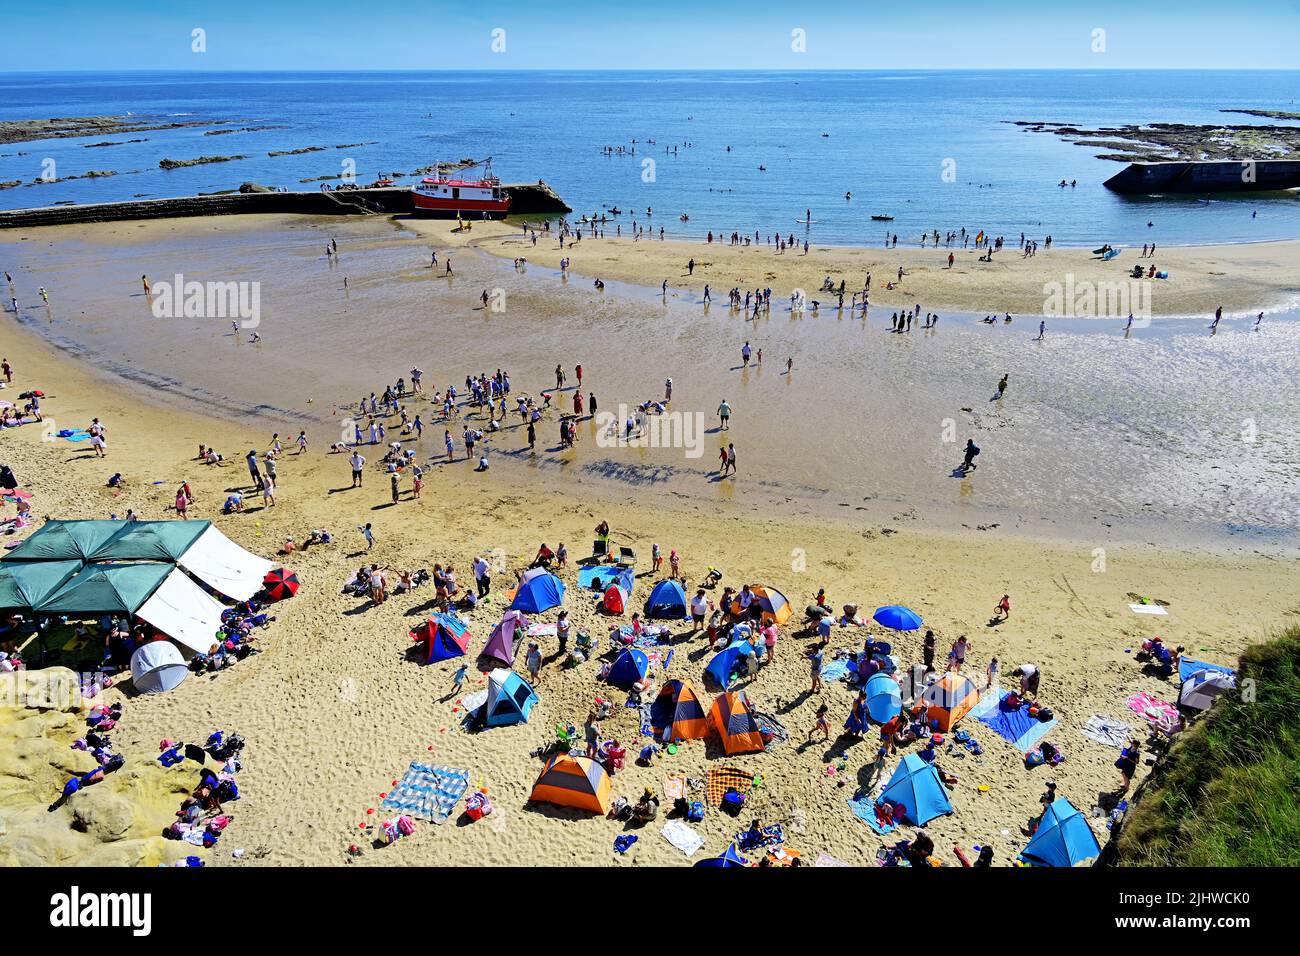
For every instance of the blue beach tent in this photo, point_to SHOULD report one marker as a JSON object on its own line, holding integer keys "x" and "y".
{"x": 730, "y": 858}
{"x": 539, "y": 591}
{"x": 667, "y": 600}
{"x": 630, "y": 667}
{"x": 509, "y": 699}
{"x": 727, "y": 662}
{"x": 917, "y": 787}
{"x": 884, "y": 698}
{"x": 1063, "y": 838}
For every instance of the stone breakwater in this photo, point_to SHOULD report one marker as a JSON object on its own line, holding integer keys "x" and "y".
{"x": 527, "y": 199}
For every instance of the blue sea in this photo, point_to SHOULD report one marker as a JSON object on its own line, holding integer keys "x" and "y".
{"x": 887, "y": 137}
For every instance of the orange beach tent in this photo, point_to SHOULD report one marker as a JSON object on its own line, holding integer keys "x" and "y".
{"x": 573, "y": 782}
{"x": 949, "y": 699}
{"x": 677, "y": 713}
{"x": 736, "y": 725}
{"x": 773, "y": 602}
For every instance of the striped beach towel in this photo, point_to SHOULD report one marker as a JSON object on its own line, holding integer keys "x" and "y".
{"x": 722, "y": 779}
{"x": 430, "y": 793}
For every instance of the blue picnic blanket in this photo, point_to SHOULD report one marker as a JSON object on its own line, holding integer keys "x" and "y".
{"x": 864, "y": 808}
{"x": 428, "y": 792}
{"x": 835, "y": 670}
{"x": 607, "y": 574}
{"x": 1014, "y": 725}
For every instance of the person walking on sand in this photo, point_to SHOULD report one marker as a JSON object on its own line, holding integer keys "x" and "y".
{"x": 731, "y": 459}
{"x": 668, "y": 386}
{"x": 724, "y": 414}
{"x": 968, "y": 460}
{"x": 534, "y": 661}
{"x": 268, "y": 492}
{"x": 816, "y": 654}
{"x": 1003, "y": 610}
{"x": 357, "y": 461}
{"x": 991, "y": 673}
{"x": 144, "y": 281}
{"x": 690, "y": 271}
{"x": 368, "y": 533}
{"x": 745, "y": 353}
{"x": 1042, "y": 329}
{"x": 789, "y": 365}
{"x": 8, "y": 369}
{"x": 458, "y": 678}
{"x": 397, "y": 489}
{"x": 1002, "y": 385}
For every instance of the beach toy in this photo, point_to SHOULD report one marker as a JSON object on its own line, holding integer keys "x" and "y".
{"x": 672, "y": 748}
{"x": 983, "y": 788}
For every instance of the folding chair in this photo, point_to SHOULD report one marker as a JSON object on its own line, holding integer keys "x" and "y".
{"x": 599, "y": 548}
{"x": 626, "y": 557}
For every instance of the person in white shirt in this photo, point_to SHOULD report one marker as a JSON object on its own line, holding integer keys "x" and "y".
{"x": 700, "y": 605}
{"x": 482, "y": 576}
{"x": 357, "y": 461}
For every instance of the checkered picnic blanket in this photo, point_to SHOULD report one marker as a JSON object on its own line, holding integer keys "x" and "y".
{"x": 722, "y": 779}
{"x": 430, "y": 793}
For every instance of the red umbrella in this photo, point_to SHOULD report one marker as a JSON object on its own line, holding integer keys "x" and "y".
{"x": 280, "y": 584}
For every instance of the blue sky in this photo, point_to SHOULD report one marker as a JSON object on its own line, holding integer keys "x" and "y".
{"x": 652, "y": 34}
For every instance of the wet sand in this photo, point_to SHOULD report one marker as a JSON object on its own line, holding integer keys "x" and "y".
{"x": 1167, "y": 434}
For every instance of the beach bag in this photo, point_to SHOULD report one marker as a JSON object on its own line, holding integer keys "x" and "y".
{"x": 695, "y": 813}
{"x": 405, "y": 825}
{"x": 477, "y": 805}
{"x": 733, "y": 801}
{"x": 1045, "y": 714}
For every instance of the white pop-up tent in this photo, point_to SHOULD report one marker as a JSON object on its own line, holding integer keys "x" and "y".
{"x": 184, "y": 612}
{"x": 157, "y": 667}
{"x": 224, "y": 566}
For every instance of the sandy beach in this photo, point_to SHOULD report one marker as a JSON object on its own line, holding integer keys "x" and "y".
{"x": 333, "y": 711}
{"x": 1241, "y": 279}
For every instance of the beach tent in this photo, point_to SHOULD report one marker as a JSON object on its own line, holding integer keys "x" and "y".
{"x": 157, "y": 667}
{"x": 949, "y": 699}
{"x": 539, "y": 591}
{"x": 1204, "y": 687}
{"x": 736, "y": 725}
{"x": 443, "y": 636}
{"x": 728, "y": 662}
{"x": 573, "y": 782}
{"x": 730, "y": 858}
{"x": 509, "y": 699}
{"x": 224, "y": 566}
{"x": 677, "y": 714}
{"x": 1186, "y": 667}
{"x": 773, "y": 602}
{"x": 916, "y": 787}
{"x": 107, "y": 588}
{"x": 65, "y": 541}
{"x": 150, "y": 541}
{"x": 884, "y": 698}
{"x": 615, "y": 600}
{"x": 181, "y": 609}
{"x": 667, "y": 600}
{"x": 1063, "y": 838}
{"x": 501, "y": 644}
{"x": 630, "y": 667}
{"x": 25, "y": 584}
{"x": 897, "y": 618}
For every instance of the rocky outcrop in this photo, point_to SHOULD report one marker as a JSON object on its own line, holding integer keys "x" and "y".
{"x": 197, "y": 161}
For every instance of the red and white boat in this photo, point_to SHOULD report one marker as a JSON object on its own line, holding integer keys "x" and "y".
{"x": 441, "y": 195}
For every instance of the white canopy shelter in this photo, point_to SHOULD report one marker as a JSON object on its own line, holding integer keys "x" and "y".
{"x": 224, "y": 566}
{"x": 157, "y": 667}
{"x": 184, "y": 612}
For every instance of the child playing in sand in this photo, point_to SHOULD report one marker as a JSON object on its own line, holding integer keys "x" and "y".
{"x": 821, "y": 723}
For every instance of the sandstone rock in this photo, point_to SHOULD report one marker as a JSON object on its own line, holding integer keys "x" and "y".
{"x": 102, "y": 814}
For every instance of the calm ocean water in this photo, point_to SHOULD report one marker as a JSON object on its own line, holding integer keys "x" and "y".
{"x": 884, "y": 136}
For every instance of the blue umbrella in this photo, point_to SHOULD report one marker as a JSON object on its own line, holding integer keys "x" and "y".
{"x": 897, "y": 617}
